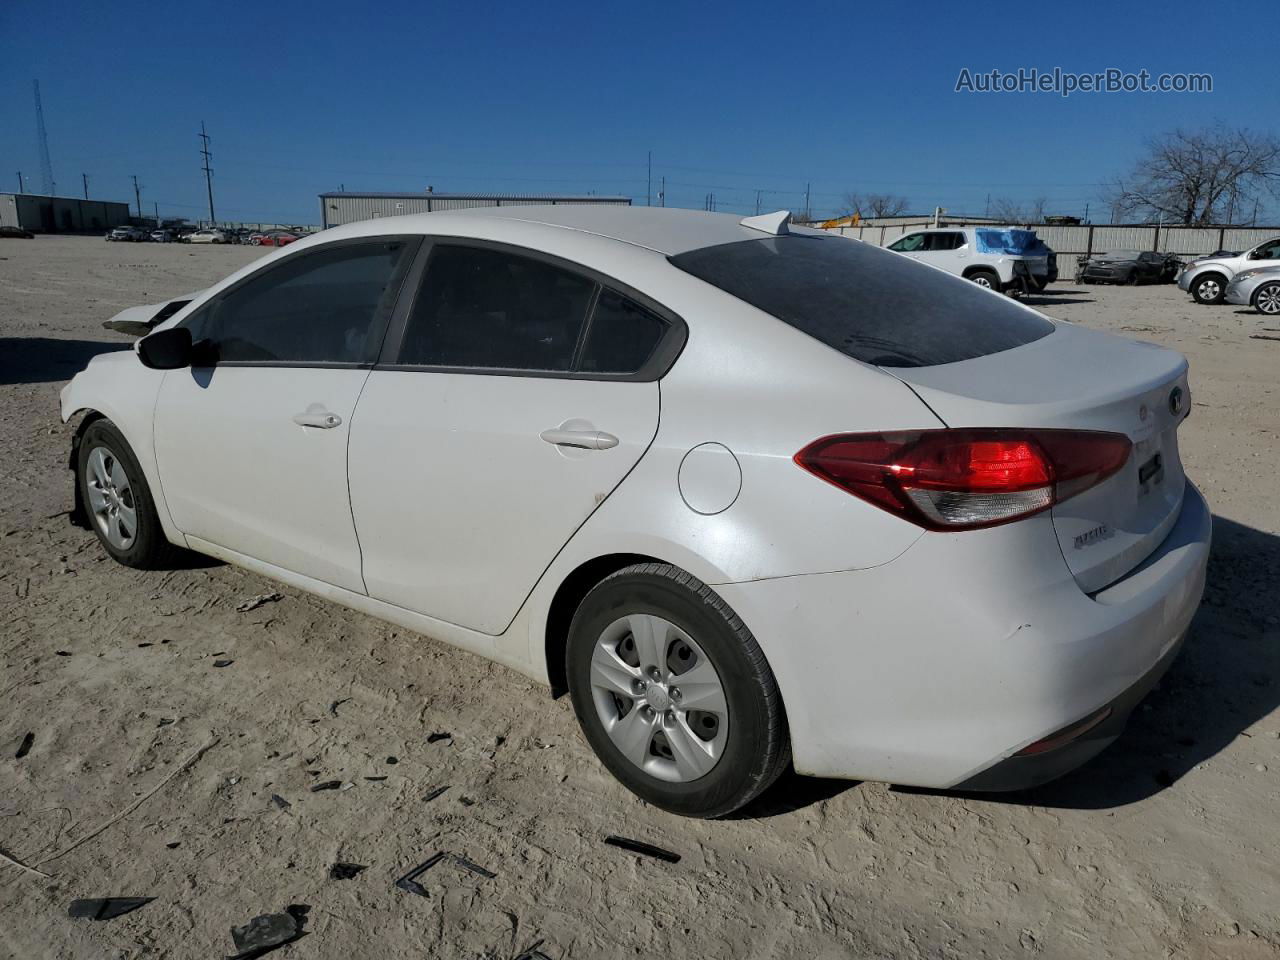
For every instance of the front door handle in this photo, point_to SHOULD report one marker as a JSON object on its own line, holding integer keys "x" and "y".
{"x": 321, "y": 419}
{"x": 584, "y": 439}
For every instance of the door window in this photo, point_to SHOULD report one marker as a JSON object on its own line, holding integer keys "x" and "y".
{"x": 491, "y": 309}
{"x": 945, "y": 241}
{"x": 326, "y": 306}
{"x": 1268, "y": 251}
{"x": 911, "y": 243}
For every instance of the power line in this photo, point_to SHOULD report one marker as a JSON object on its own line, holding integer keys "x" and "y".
{"x": 208, "y": 172}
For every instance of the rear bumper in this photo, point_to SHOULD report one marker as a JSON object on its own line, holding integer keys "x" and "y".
{"x": 939, "y": 666}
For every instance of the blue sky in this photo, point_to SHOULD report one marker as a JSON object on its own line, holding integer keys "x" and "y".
{"x": 302, "y": 97}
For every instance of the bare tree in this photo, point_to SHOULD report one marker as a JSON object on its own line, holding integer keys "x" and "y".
{"x": 867, "y": 205}
{"x": 1200, "y": 177}
{"x": 1012, "y": 211}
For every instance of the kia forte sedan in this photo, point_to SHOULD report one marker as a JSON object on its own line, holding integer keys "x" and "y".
{"x": 751, "y": 495}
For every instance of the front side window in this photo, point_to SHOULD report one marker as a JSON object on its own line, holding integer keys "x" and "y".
{"x": 909, "y": 244}
{"x": 1268, "y": 251}
{"x": 328, "y": 305}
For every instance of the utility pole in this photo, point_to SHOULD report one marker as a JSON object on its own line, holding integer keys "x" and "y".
{"x": 208, "y": 171}
{"x": 137, "y": 195}
{"x": 84, "y": 177}
{"x": 758, "y": 202}
{"x": 157, "y": 213}
{"x": 987, "y": 215}
{"x": 806, "y": 203}
{"x": 648, "y": 190}
{"x": 46, "y": 167}
{"x": 1086, "y": 213}
{"x": 22, "y": 188}
{"x": 662, "y": 193}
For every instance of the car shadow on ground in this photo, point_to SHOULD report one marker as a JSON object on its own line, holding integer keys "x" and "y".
{"x": 1226, "y": 679}
{"x": 46, "y": 359}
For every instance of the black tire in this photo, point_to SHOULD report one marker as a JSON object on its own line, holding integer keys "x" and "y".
{"x": 148, "y": 548}
{"x": 1209, "y": 288}
{"x": 1266, "y": 299}
{"x": 757, "y": 748}
{"x": 985, "y": 278}
{"x": 1131, "y": 278}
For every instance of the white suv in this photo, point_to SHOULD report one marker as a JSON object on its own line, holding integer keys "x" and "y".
{"x": 1000, "y": 258}
{"x": 1206, "y": 279}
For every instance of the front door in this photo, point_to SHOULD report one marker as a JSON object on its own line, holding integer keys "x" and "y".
{"x": 252, "y": 449}
{"x": 520, "y": 395}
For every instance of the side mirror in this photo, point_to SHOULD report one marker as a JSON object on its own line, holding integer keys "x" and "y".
{"x": 167, "y": 349}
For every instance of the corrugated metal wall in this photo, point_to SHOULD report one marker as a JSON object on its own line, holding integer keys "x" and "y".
{"x": 60, "y": 214}
{"x": 337, "y": 210}
{"x": 1071, "y": 241}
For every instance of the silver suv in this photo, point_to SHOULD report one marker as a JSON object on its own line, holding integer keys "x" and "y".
{"x": 1206, "y": 280}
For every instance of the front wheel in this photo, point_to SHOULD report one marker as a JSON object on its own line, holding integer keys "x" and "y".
{"x": 117, "y": 500}
{"x": 1209, "y": 288}
{"x": 674, "y": 694}
{"x": 1267, "y": 299}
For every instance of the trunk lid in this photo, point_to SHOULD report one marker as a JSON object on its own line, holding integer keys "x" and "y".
{"x": 1082, "y": 379}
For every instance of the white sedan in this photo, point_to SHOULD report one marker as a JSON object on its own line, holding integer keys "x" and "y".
{"x": 208, "y": 236}
{"x": 751, "y": 496}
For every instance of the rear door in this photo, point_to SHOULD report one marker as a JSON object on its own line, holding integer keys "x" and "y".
{"x": 517, "y": 395}
{"x": 252, "y": 449}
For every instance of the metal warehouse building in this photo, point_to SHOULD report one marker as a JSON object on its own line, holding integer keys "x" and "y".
{"x": 43, "y": 214}
{"x": 339, "y": 208}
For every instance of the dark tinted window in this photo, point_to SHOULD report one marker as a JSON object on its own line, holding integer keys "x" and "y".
{"x": 329, "y": 305}
{"x": 622, "y": 335}
{"x": 492, "y": 309}
{"x": 910, "y": 243}
{"x": 945, "y": 241}
{"x": 866, "y": 302}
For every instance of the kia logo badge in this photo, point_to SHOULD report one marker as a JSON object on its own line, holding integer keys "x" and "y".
{"x": 1142, "y": 413}
{"x": 1176, "y": 401}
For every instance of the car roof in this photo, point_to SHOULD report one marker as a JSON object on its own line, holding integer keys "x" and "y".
{"x": 665, "y": 230}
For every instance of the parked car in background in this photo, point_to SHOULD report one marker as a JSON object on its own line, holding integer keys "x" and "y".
{"x": 277, "y": 238}
{"x": 1206, "y": 279}
{"x": 998, "y": 258}
{"x": 1128, "y": 266}
{"x": 129, "y": 235}
{"x": 163, "y": 235}
{"x": 17, "y": 233}
{"x": 1257, "y": 287}
{"x": 208, "y": 236}
{"x": 749, "y": 495}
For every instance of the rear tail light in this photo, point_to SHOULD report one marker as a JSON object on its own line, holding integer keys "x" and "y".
{"x": 968, "y": 478}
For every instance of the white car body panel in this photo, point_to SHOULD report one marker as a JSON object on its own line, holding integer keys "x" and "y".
{"x": 901, "y": 655}
{"x": 239, "y": 472}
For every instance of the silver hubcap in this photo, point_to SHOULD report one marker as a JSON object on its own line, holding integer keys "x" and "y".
{"x": 1269, "y": 299}
{"x": 982, "y": 281}
{"x": 111, "y": 498}
{"x": 659, "y": 697}
{"x": 1209, "y": 290}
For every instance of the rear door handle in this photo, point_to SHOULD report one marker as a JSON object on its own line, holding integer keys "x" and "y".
{"x": 321, "y": 419}
{"x": 585, "y": 439}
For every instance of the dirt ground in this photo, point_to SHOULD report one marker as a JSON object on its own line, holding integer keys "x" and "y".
{"x": 1165, "y": 846}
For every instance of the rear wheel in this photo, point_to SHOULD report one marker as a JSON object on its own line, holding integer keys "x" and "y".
{"x": 986, "y": 278}
{"x": 1209, "y": 288}
{"x": 118, "y": 502}
{"x": 674, "y": 694}
{"x": 1267, "y": 299}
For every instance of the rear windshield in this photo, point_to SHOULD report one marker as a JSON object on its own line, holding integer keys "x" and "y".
{"x": 870, "y": 304}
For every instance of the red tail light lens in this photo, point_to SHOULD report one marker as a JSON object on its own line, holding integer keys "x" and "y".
{"x": 968, "y": 478}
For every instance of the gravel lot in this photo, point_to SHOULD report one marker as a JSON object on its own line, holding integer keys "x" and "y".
{"x": 1164, "y": 846}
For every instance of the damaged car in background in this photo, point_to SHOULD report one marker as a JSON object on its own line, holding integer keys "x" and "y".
{"x": 753, "y": 496}
{"x": 1128, "y": 267}
{"x": 1003, "y": 259}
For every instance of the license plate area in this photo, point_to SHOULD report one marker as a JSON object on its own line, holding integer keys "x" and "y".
{"x": 1150, "y": 473}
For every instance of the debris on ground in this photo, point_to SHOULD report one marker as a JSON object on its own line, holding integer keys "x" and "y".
{"x": 333, "y": 707}
{"x": 105, "y": 908}
{"x": 532, "y": 952}
{"x": 410, "y": 883}
{"x": 280, "y": 801}
{"x": 223, "y": 663}
{"x": 435, "y": 793}
{"x": 253, "y": 603}
{"x": 327, "y": 785}
{"x": 346, "y": 871}
{"x": 264, "y": 933}
{"x": 25, "y": 747}
{"x": 437, "y": 737}
{"x": 642, "y": 848}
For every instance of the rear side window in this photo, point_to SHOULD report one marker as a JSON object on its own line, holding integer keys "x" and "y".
{"x": 492, "y": 309}
{"x": 622, "y": 335}
{"x": 328, "y": 305}
{"x": 869, "y": 304}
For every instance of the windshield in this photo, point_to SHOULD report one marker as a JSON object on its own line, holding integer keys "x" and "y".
{"x": 868, "y": 303}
